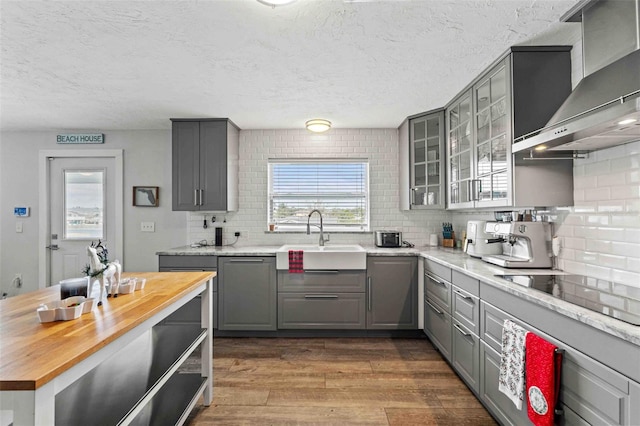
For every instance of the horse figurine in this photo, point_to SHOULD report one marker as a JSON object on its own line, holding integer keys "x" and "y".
{"x": 110, "y": 273}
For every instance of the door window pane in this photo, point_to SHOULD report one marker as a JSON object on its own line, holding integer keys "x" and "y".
{"x": 420, "y": 175}
{"x": 419, "y": 152}
{"x": 419, "y": 129}
{"x": 84, "y": 205}
{"x": 499, "y": 154}
{"x": 498, "y": 85}
{"x": 433, "y": 173}
{"x": 483, "y": 96}
{"x": 433, "y": 127}
{"x": 465, "y": 165}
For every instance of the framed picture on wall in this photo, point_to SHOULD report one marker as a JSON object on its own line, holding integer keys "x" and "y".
{"x": 145, "y": 196}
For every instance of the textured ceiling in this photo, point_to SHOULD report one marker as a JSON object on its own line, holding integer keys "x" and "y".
{"x": 363, "y": 64}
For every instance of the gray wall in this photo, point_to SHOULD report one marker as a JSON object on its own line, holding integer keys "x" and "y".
{"x": 147, "y": 161}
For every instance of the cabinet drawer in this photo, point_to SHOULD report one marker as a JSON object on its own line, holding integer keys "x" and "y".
{"x": 465, "y": 350}
{"x": 323, "y": 281}
{"x": 200, "y": 263}
{"x": 466, "y": 283}
{"x": 438, "y": 291}
{"x": 491, "y": 322}
{"x": 321, "y": 311}
{"x": 465, "y": 308}
{"x": 596, "y": 393}
{"x": 437, "y": 269}
{"x": 438, "y": 328}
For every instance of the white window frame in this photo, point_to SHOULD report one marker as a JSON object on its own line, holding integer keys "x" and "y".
{"x": 301, "y": 226}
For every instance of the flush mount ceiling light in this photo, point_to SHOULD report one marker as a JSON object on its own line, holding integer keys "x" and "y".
{"x": 318, "y": 125}
{"x": 274, "y": 3}
{"x": 627, "y": 121}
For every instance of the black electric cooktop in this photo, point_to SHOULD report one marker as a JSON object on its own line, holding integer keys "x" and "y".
{"x": 616, "y": 300}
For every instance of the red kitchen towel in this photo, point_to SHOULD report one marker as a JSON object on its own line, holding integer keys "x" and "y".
{"x": 543, "y": 366}
{"x": 296, "y": 261}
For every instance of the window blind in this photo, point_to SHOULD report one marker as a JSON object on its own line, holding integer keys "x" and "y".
{"x": 337, "y": 188}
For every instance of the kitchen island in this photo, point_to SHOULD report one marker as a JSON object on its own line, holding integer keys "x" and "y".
{"x": 119, "y": 363}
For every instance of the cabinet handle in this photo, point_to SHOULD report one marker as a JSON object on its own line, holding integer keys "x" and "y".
{"x": 438, "y": 311}
{"x": 464, "y": 296}
{"x": 461, "y": 331}
{"x": 246, "y": 260}
{"x": 320, "y": 271}
{"x": 368, "y": 293}
{"x": 201, "y": 196}
{"x": 195, "y": 197}
{"x": 434, "y": 279}
{"x": 320, "y": 296}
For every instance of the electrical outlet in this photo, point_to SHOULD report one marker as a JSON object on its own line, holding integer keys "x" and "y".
{"x": 237, "y": 233}
{"x": 17, "y": 280}
{"x": 19, "y": 226}
{"x": 148, "y": 226}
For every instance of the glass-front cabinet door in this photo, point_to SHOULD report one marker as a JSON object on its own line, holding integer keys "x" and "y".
{"x": 426, "y": 139}
{"x": 460, "y": 152}
{"x": 491, "y": 185}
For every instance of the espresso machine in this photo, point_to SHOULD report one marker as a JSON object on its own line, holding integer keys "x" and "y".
{"x": 477, "y": 237}
{"x": 524, "y": 244}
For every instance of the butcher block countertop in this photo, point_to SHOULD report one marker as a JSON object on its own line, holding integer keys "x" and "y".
{"x": 34, "y": 353}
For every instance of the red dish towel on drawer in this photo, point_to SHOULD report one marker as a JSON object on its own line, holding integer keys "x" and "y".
{"x": 543, "y": 379}
{"x": 296, "y": 261}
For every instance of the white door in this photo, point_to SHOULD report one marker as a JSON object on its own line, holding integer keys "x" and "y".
{"x": 82, "y": 210}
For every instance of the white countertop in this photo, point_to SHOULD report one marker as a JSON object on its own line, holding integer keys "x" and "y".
{"x": 462, "y": 262}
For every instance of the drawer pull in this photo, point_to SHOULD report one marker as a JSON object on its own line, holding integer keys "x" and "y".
{"x": 320, "y": 271}
{"x": 464, "y": 296}
{"x": 438, "y": 311}
{"x": 435, "y": 280}
{"x": 246, "y": 260}
{"x": 320, "y": 296}
{"x": 464, "y": 333}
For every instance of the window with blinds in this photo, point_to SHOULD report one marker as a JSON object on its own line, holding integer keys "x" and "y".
{"x": 337, "y": 188}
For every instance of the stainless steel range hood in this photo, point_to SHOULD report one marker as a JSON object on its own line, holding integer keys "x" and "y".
{"x": 604, "y": 108}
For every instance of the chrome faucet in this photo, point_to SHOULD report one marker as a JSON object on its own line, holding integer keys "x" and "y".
{"x": 322, "y": 239}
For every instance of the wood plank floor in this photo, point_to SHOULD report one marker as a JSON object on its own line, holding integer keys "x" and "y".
{"x": 372, "y": 381}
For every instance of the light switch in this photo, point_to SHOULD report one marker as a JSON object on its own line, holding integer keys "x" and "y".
{"x": 148, "y": 226}
{"x": 18, "y": 226}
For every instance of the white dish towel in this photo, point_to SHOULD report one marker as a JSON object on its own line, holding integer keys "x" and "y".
{"x": 511, "y": 379}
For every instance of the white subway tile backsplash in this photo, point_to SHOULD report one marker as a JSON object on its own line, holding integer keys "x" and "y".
{"x": 605, "y": 217}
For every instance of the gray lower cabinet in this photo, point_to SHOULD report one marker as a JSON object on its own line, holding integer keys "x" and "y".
{"x": 465, "y": 354}
{"x": 437, "y": 326}
{"x": 321, "y": 311}
{"x": 437, "y": 306}
{"x": 326, "y": 300}
{"x": 247, "y": 293}
{"x": 498, "y": 404}
{"x": 190, "y": 312}
{"x": 392, "y": 293}
{"x": 590, "y": 392}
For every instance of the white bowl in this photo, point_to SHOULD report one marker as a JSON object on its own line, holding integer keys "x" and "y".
{"x": 88, "y": 305}
{"x": 46, "y": 315}
{"x": 128, "y": 287}
{"x": 140, "y": 283}
{"x": 66, "y": 314}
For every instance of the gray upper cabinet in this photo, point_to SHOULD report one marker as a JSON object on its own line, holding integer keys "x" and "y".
{"x": 247, "y": 293}
{"x": 392, "y": 293}
{"x": 205, "y": 164}
{"x": 518, "y": 94}
{"x": 426, "y": 161}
